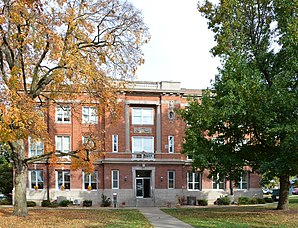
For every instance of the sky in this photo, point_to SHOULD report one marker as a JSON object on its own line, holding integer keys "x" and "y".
{"x": 179, "y": 49}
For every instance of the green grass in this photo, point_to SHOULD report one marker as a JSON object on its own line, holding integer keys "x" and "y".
{"x": 239, "y": 216}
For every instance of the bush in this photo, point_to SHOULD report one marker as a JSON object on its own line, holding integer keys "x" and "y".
{"x": 223, "y": 201}
{"x": 45, "y": 203}
{"x": 54, "y": 204}
{"x": 87, "y": 203}
{"x": 105, "y": 201}
{"x": 268, "y": 200}
{"x": 31, "y": 204}
{"x": 202, "y": 202}
{"x": 64, "y": 203}
{"x": 243, "y": 201}
{"x": 261, "y": 201}
{"x": 253, "y": 201}
{"x": 5, "y": 202}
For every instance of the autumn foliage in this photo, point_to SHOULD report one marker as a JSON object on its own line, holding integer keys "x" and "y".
{"x": 53, "y": 52}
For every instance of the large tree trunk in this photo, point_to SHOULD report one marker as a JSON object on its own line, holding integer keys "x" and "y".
{"x": 20, "y": 179}
{"x": 283, "y": 202}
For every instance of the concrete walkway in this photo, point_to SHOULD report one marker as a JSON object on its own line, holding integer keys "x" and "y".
{"x": 160, "y": 219}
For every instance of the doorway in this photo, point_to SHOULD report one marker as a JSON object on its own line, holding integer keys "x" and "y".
{"x": 143, "y": 183}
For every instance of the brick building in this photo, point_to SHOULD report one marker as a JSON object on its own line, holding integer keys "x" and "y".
{"x": 142, "y": 164}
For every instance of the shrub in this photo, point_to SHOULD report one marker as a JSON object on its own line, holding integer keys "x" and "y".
{"x": 5, "y": 202}
{"x": 64, "y": 203}
{"x": 105, "y": 201}
{"x": 202, "y": 202}
{"x": 45, "y": 203}
{"x": 54, "y": 204}
{"x": 31, "y": 204}
{"x": 253, "y": 201}
{"x": 261, "y": 201}
{"x": 268, "y": 200}
{"x": 243, "y": 200}
{"x": 223, "y": 201}
{"x": 87, "y": 203}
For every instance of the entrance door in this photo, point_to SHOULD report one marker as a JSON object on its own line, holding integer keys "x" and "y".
{"x": 143, "y": 183}
{"x": 140, "y": 187}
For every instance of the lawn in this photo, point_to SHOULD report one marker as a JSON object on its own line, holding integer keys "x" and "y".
{"x": 74, "y": 218}
{"x": 239, "y": 216}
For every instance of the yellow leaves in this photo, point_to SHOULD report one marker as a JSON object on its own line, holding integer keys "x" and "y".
{"x": 2, "y": 20}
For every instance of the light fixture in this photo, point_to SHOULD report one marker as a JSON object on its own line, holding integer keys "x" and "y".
{"x": 125, "y": 178}
{"x": 161, "y": 179}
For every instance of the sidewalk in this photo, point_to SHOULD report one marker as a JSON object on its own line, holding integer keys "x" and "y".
{"x": 160, "y": 219}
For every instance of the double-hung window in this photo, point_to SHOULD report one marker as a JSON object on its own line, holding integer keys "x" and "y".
{"x": 114, "y": 143}
{"x": 89, "y": 115}
{"x": 63, "y": 114}
{"x": 217, "y": 182}
{"x": 143, "y": 147}
{"x": 62, "y": 143}
{"x": 171, "y": 144}
{"x": 243, "y": 183}
{"x": 63, "y": 179}
{"x": 115, "y": 179}
{"x": 90, "y": 181}
{"x": 142, "y": 116}
{"x": 171, "y": 179}
{"x": 36, "y": 179}
{"x": 194, "y": 181}
{"x": 35, "y": 148}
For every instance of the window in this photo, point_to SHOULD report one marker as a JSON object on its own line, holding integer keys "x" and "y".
{"x": 171, "y": 179}
{"x": 243, "y": 183}
{"x": 63, "y": 114}
{"x": 194, "y": 181}
{"x": 36, "y": 179}
{"x": 90, "y": 180}
{"x": 63, "y": 144}
{"x": 171, "y": 144}
{"x": 115, "y": 179}
{"x": 218, "y": 183}
{"x": 63, "y": 180}
{"x": 89, "y": 115}
{"x": 143, "y": 145}
{"x": 88, "y": 142}
{"x": 35, "y": 148}
{"x": 115, "y": 143}
{"x": 142, "y": 116}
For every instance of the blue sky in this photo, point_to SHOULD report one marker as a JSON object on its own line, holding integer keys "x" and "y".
{"x": 179, "y": 46}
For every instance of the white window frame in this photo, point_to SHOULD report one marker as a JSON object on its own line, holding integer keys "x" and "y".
{"x": 62, "y": 143}
{"x": 65, "y": 112}
{"x": 116, "y": 180}
{"x": 114, "y": 143}
{"x": 91, "y": 110}
{"x": 89, "y": 176}
{"x": 239, "y": 185}
{"x": 142, "y": 122}
{"x": 171, "y": 180}
{"x": 139, "y": 154}
{"x": 194, "y": 182}
{"x": 218, "y": 183}
{"x": 171, "y": 144}
{"x": 63, "y": 179}
{"x": 36, "y": 181}
{"x": 36, "y": 144}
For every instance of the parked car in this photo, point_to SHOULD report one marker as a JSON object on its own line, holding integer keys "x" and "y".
{"x": 267, "y": 191}
{"x": 3, "y": 197}
{"x": 295, "y": 191}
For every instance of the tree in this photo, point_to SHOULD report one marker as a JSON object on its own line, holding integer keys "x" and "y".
{"x": 60, "y": 50}
{"x": 252, "y": 104}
